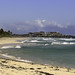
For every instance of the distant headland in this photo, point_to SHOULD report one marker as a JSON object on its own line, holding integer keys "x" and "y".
{"x": 34, "y": 34}
{"x": 44, "y": 34}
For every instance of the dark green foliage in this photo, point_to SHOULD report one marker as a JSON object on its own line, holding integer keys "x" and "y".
{"x": 4, "y": 33}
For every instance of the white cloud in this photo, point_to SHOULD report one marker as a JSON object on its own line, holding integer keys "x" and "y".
{"x": 36, "y": 25}
{"x": 39, "y": 23}
{"x": 60, "y": 26}
{"x": 43, "y": 20}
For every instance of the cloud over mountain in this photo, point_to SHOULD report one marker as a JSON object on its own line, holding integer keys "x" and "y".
{"x": 39, "y": 25}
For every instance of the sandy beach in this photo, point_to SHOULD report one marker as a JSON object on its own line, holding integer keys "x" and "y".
{"x": 10, "y": 40}
{"x": 15, "y": 67}
{"x": 12, "y": 67}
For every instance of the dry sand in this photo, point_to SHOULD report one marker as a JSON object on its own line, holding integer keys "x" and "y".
{"x": 10, "y": 40}
{"x": 12, "y": 67}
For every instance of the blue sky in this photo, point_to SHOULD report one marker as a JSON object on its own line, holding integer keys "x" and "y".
{"x": 23, "y": 16}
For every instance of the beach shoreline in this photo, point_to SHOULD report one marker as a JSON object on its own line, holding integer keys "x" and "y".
{"x": 11, "y": 40}
{"x": 13, "y": 66}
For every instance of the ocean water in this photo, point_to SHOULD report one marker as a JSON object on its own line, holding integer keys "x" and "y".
{"x": 52, "y": 51}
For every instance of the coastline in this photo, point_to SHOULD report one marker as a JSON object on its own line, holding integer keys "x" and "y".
{"x": 11, "y": 42}
{"x": 13, "y": 66}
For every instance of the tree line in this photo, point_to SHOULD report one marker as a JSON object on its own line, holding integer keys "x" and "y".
{"x": 5, "y": 33}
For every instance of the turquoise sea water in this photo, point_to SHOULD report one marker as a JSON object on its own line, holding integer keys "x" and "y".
{"x": 53, "y": 51}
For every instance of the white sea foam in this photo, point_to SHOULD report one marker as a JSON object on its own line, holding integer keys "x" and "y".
{"x": 24, "y": 60}
{"x": 46, "y": 44}
{"x": 24, "y": 41}
{"x": 5, "y": 47}
{"x": 63, "y": 43}
{"x": 69, "y": 39}
{"x": 48, "y": 39}
{"x": 35, "y": 41}
{"x": 18, "y": 46}
{"x": 45, "y": 38}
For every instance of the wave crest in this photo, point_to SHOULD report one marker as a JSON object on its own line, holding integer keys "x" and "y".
{"x": 63, "y": 43}
{"x": 6, "y": 47}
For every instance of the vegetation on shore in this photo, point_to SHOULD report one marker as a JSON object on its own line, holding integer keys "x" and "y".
{"x": 44, "y": 34}
{"x": 5, "y": 33}
{"x": 34, "y": 34}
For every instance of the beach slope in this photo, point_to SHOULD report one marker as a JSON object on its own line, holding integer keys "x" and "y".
{"x": 13, "y": 67}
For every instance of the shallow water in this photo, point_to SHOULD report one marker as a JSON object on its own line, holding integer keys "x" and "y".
{"x": 53, "y": 51}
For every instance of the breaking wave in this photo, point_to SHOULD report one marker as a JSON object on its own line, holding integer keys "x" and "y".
{"x": 68, "y": 39}
{"x": 48, "y": 39}
{"x": 18, "y": 46}
{"x": 63, "y": 43}
{"x": 6, "y": 47}
{"x": 46, "y": 44}
{"x": 24, "y": 41}
{"x": 35, "y": 41}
